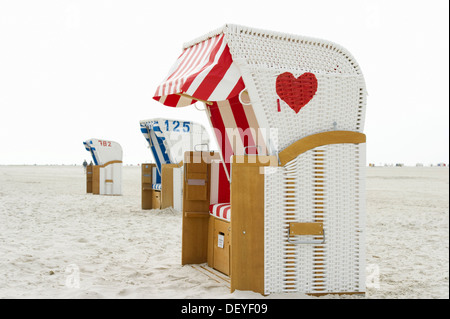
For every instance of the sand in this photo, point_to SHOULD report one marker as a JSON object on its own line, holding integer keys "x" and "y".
{"x": 56, "y": 241}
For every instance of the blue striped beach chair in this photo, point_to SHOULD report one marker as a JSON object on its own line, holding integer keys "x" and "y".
{"x": 104, "y": 177}
{"x": 168, "y": 140}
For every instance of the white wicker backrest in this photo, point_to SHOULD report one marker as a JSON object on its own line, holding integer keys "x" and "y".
{"x": 179, "y": 137}
{"x": 340, "y": 99}
{"x": 104, "y": 151}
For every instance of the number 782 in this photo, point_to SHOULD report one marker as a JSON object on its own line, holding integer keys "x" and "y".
{"x": 105, "y": 143}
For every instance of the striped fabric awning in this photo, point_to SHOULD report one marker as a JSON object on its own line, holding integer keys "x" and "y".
{"x": 153, "y": 134}
{"x": 91, "y": 149}
{"x": 205, "y": 71}
{"x": 220, "y": 185}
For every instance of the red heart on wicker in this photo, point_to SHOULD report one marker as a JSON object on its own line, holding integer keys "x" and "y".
{"x": 296, "y": 92}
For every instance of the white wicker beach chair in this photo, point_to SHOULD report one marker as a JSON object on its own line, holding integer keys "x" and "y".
{"x": 286, "y": 191}
{"x": 105, "y": 176}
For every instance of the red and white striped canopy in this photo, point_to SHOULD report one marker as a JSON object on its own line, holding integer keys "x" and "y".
{"x": 205, "y": 71}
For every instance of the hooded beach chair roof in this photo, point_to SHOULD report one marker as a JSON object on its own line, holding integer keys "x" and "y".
{"x": 294, "y": 86}
{"x": 169, "y": 139}
{"x": 103, "y": 151}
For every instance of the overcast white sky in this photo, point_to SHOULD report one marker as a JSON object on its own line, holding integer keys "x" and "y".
{"x": 74, "y": 70}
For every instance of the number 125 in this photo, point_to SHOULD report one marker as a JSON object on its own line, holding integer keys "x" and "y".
{"x": 186, "y": 126}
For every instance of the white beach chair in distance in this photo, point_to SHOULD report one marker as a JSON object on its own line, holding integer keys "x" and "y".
{"x": 168, "y": 140}
{"x": 281, "y": 207}
{"x": 105, "y": 176}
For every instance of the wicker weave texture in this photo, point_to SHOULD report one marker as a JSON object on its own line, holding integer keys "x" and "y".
{"x": 326, "y": 185}
{"x": 263, "y": 56}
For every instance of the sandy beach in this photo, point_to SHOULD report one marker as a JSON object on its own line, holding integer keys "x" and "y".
{"x": 56, "y": 241}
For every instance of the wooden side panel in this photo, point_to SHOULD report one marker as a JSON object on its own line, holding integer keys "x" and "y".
{"x": 195, "y": 208}
{"x": 96, "y": 179}
{"x": 196, "y": 176}
{"x": 146, "y": 186}
{"x": 167, "y": 185}
{"x": 89, "y": 172}
{"x": 247, "y": 222}
{"x": 194, "y": 239}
